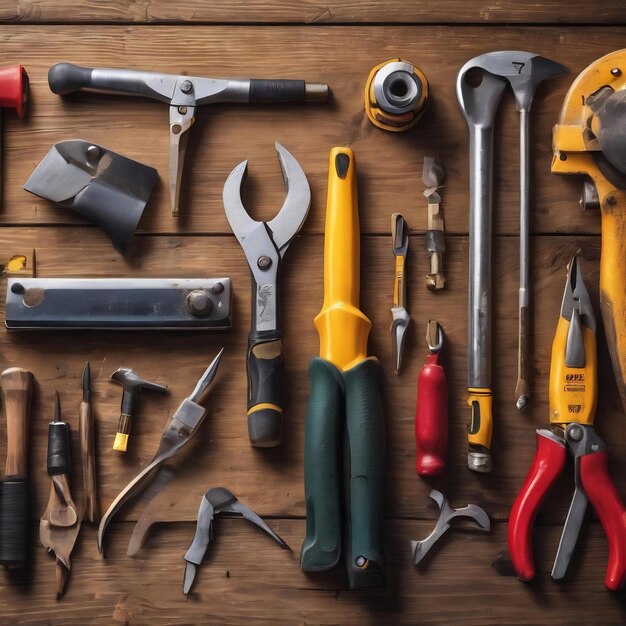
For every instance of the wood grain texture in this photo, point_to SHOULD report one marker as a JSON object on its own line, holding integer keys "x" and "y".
{"x": 17, "y": 387}
{"x": 389, "y": 165}
{"x": 221, "y": 453}
{"x": 246, "y": 578}
{"x": 312, "y": 12}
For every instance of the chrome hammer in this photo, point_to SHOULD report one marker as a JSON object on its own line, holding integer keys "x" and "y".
{"x": 480, "y": 85}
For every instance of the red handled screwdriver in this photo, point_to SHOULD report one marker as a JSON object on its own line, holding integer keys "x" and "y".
{"x": 431, "y": 412}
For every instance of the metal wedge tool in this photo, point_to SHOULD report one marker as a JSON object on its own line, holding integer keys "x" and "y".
{"x": 588, "y": 140}
{"x": 17, "y": 385}
{"x": 480, "y": 85}
{"x": 433, "y": 176}
{"x": 183, "y": 94}
{"x": 61, "y": 521}
{"x": 573, "y": 400}
{"x": 215, "y": 501}
{"x": 86, "y": 429}
{"x": 132, "y": 385}
{"x": 178, "y": 432}
{"x": 265, "y": 244}
{"x": 103, "y": 186}
{"x": 400, "y": 317}
{"x": 420, "y": 548}
{"x": 344, "y": 441}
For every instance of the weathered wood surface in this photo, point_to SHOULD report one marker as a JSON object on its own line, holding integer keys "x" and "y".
{"x": 246, "y": 578}
{"x": 311, "y": 12}
{"x": 273, "y": 479}
{"x": 389, "y": 164}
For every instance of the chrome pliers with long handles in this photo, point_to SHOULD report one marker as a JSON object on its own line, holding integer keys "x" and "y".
{"x": 573, "y": 395}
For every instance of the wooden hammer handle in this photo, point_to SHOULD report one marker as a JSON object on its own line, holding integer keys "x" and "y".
{"x": 17, "y": 385}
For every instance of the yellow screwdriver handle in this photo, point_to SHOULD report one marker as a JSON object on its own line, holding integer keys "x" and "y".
{"x": 343, "y": 329}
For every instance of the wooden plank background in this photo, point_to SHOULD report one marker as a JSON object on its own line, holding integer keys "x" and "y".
{"x": 246, "y": 578}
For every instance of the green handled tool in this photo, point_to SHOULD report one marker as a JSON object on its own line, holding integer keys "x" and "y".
{"x": 344, "y": 438}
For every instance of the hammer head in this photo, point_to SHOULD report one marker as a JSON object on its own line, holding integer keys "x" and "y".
{"x": 14, "y": 88}
{"x": 133, "y": 383}
{"x": 524, "y": 71}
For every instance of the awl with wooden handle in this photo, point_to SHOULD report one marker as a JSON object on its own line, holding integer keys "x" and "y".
{"x": 431, "y": 412}
{"x": 16, "y": 386}
{"x": 86, "y": 426}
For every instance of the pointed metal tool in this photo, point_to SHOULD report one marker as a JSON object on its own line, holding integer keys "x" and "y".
{"x": 215, "y": 501}
{"x": 419, "y": 549}
{"x": 400, "y": 317}
{"x": 177, "y": 433}
{"x": 433, "y": 176}
{"x": 86, "y": 429}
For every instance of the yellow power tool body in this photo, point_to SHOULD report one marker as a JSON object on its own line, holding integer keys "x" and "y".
{"x": 590, "y": 139}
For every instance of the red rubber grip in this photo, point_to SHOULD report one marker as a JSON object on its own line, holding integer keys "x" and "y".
{"x": 547, "y": 465}
{"x": 431, "y": 418}
{"x": 603, "y": 495}
{"x": 13, "y": 88}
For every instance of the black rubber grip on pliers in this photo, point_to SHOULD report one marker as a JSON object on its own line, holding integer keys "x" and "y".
{"x": 266, "y": 396}
{"x": 277, "y": 90}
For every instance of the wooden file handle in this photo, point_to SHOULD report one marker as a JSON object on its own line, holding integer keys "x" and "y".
{"x": 17, "y": 385}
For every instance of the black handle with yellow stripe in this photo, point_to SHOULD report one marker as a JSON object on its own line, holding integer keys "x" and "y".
{"x": 265, "y": 389}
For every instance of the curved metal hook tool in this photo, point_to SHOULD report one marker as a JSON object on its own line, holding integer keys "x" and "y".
{"x": 420, "y": 549}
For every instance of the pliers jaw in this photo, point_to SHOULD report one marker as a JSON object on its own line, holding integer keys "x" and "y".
{"x": 576, "y": 300}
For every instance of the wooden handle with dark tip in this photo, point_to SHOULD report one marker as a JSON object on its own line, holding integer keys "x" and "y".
{"x": 88, "y": 462}
{"x": 17, "y": 387}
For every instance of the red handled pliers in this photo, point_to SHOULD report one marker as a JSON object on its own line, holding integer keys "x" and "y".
{"x": 573, "y": 395}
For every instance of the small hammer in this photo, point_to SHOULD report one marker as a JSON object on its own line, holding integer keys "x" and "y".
{"x": 132, "y": 384}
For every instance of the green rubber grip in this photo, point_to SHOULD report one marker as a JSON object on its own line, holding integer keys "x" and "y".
{"x": 321, "y": 549}
{"x": 365, "y": 427}
{"x": 266, "y": 397}
{"x": 345, "y": 414}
